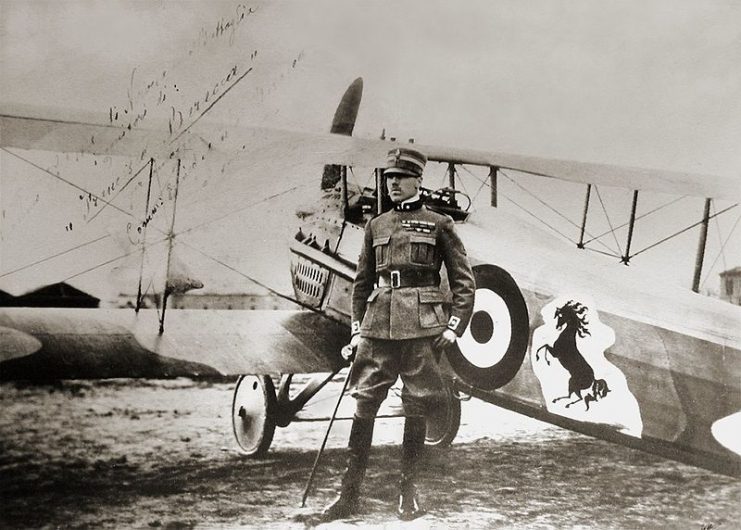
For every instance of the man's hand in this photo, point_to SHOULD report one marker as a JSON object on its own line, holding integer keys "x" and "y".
{"x": 446, "y": 339}
{"x": 348, "y": 351}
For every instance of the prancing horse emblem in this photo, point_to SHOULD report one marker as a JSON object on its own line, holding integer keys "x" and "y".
{"x": 571, "y": 321}
{"x": 574, "y": 333}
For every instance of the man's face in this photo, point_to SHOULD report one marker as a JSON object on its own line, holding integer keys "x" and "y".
{"x": 402, "y": 187}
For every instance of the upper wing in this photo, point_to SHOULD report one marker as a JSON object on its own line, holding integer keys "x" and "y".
{"x": 369, "y": 152}
{"x": 30, "y": 130}
{"x": 635, "y": 178}
{"x": 53, "y": 130}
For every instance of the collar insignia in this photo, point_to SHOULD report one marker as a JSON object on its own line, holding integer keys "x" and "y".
{"x": 407, "y": 206}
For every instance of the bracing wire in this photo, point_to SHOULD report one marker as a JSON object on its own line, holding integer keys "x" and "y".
{"x": 478, "y": 192}
{"x": 69, "y": 183}
{"x": 58, "y": 254}
{"x": 463, "y": 184}
{"x": 611, "y": 254}
{"x": 609, "y": 221}
{"x": 444, "y": 179}
{"x": 681, "y": 231}
{"x": 722, "y": 247}
{"x": 139, "y": 249}
{"x": 511, "y": 179}
{"x": 109, "y": 203}
{"x": 538, "y": 219}
{"x": 214, "y": 102}
{"x": 79, "y": 188}
{"x": 541, "y": 201}
{"x": 258, "y": 282}
{"x": 485, "y": 182}
{"x": 594, "y": 238}
{"x": 240, "y": 209}
{"x": 106, "y": 203}
{"x": 120, "y": 190}
{"x": 720, "y": 237}
{"x": 112, "y": 260}
{"x": 150, "y": 285}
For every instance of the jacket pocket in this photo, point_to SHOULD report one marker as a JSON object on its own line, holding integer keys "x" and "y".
{"x": 422, "y": 249}
{"x": 381, "y": 248}
{"x": 431, "y": 313}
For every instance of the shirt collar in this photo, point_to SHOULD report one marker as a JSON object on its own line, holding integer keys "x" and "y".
{"x": 412, "y": 203}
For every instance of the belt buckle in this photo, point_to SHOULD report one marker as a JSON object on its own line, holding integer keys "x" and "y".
{"x": 395, "y": 279}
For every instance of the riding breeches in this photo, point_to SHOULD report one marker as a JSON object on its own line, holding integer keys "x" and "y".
{"x": 379, "y": 362}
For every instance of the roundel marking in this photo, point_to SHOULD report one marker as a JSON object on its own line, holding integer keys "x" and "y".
{"x": 482, "y": 327}
{"x": 485, "y": 341}
{"x": 491, "y": 350}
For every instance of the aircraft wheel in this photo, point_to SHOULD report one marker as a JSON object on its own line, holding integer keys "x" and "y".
{"x": 443, "y": 426}
{"x": 253, "y": 414}
{"x": 491, "y": 350}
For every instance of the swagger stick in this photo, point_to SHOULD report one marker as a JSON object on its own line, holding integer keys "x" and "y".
{"x": 326, "y": 436}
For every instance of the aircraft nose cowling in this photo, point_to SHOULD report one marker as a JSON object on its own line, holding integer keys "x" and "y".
{"x": 182, "y": 285}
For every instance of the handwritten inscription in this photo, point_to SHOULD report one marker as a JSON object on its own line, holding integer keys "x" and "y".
{"x": 134, "y": 230}
{"x": 91, "y": 201}
{"x": 165, "y": 97}
{"x": 178, "y": 117}
{"x": 224, "y": 27}
{"x": 263, "y": 93}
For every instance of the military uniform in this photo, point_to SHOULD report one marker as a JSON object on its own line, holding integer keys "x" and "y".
{"x": 399, "y": 312}
{"x": 398, "y": 305}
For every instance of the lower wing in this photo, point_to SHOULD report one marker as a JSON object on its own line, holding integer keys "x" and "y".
{"x": 60, "y": 343}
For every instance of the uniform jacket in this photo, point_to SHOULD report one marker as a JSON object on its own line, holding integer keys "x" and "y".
{"x": 411, "y": 239}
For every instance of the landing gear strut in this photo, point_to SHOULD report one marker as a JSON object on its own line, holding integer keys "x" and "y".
{"x": 257, "y": 409}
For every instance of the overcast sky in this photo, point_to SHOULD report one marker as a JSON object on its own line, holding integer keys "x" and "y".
{"x": 652, "y": 84}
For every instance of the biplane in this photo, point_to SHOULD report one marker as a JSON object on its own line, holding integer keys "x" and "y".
{"x": 557, "y": 334}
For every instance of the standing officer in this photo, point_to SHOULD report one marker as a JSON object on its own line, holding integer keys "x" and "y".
{"x": 400, "y": 325}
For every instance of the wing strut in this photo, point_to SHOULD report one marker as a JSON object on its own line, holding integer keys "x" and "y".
{"x": 170, "y": 237}
{"x": 701, "y": 246}
{"x": 451, "y": 175}
{"x": 144, "y": 238}
{"x": 716, "y": 214}
{"x": 345, "y": 197}
{"x": 580, "y": 244}
{"x": 379, "y": 191}
{"x": 493, "y": 173}
{"x": 626, "y": 258}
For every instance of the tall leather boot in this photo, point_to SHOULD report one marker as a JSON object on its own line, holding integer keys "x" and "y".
{"x": 361, "y": 435}
{"x": 411, "y": 449}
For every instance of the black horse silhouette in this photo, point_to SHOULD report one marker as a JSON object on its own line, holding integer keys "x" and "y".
{"x": 572, "y": 316}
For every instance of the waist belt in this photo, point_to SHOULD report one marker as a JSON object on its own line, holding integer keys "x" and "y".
{"x": 409, "y": 278}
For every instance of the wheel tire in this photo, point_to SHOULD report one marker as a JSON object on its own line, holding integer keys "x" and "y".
{"x": 253, "y": 416}
{"x": 491, "y": 350}
{"x": 443, "y": 428}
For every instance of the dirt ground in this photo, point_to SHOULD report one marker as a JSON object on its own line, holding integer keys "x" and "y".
{"x": 160, "y": 454}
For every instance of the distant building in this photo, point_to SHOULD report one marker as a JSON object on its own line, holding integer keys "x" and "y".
{"x": 55, "y": 295}
{"x": 730, "y": 285}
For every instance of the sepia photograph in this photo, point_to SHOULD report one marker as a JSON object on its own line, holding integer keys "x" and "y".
{"x": 370, "y": 264}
